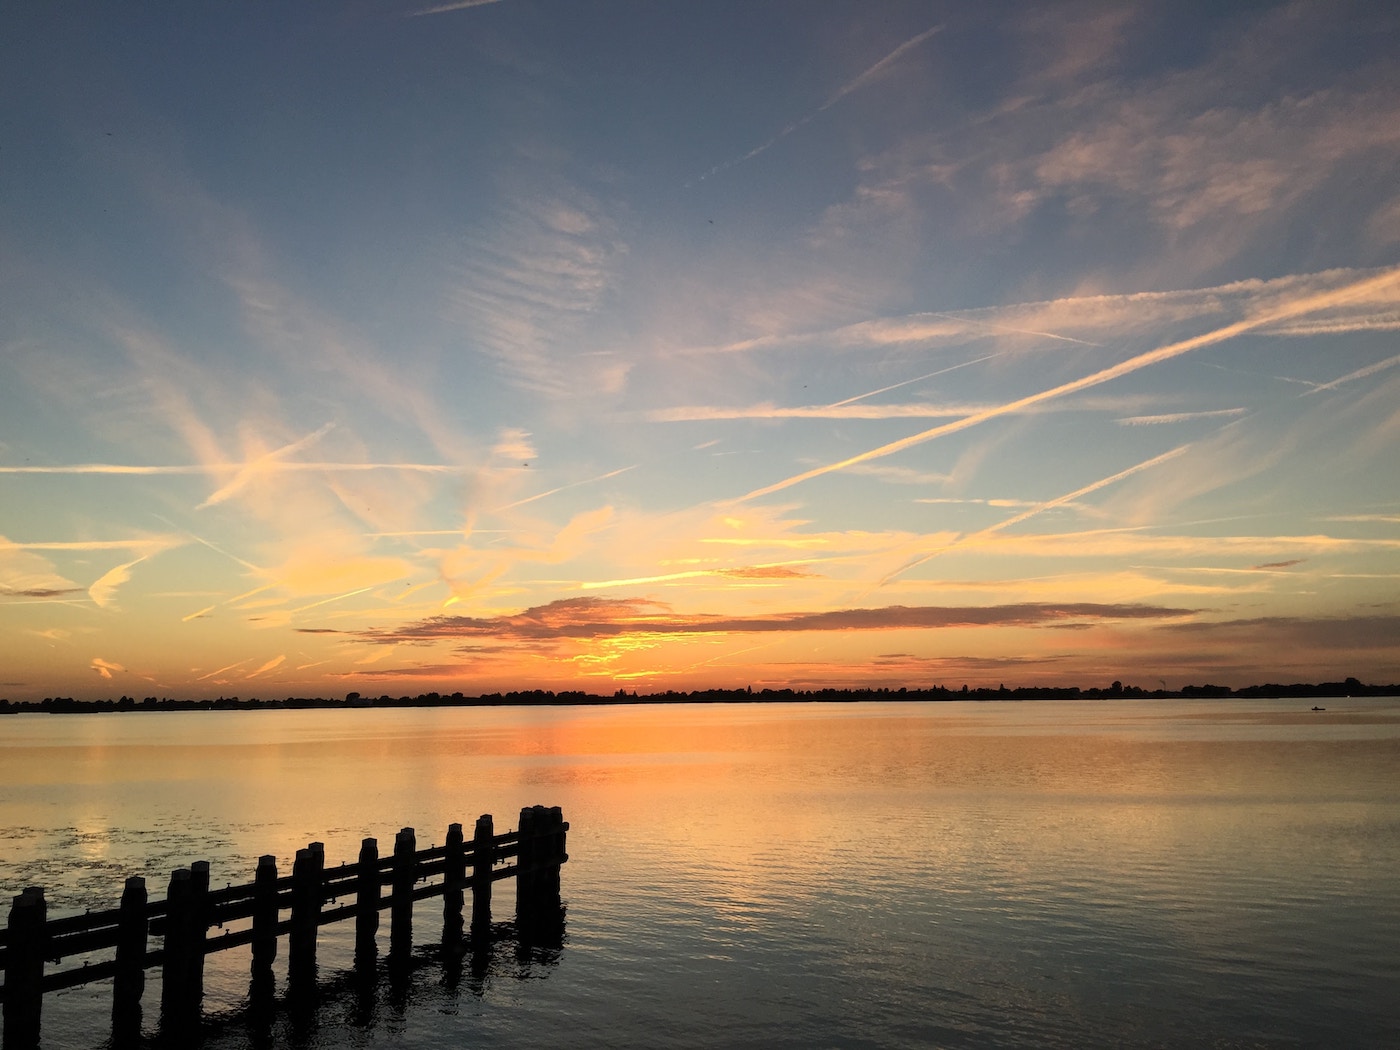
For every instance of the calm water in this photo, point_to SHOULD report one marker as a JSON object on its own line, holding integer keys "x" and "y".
{"x": 965, "y": 875}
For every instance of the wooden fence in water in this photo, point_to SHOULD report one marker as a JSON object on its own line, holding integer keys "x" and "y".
{"x": 531, "y": 855}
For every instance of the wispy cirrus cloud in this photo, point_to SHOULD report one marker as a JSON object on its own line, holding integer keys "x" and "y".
{"x": 529, "y": 290}
{"x": 27, "y": 575}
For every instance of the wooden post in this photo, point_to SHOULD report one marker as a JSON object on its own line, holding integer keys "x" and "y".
{"x": 557, "y": 854}
{"x": 367, "y": 901}
{"x": 179, "y": 1006}
{"x": 129, "y": 981}
{"x": 264, "y": 918}
{"x": 199, "y": 926}
{"x": 483, "y": 857}
{"x": 454, "y": 878}
{"x": 24, "y": 970}
{"x": 401, "y": 908}
{"x": 306, "y": 909}
{"x": 525, "y": 875}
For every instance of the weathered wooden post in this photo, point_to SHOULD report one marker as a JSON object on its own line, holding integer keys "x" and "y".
{"x": 367, "y": 901}
{"x": 401, "y": 895}
{"x": 24, "y": 969}
{"x": 199, "y": 927}
{"x": 454, "y": 879}
{"x": 264, "y": 918}
{"x": 526, "y": 877}
{"x": 557, "y": 854}
{"x": 306, "y": 910}
{"x": 483, "y": 859}
{"x": 179, "y": 990}
{"x": 129, "y": 982}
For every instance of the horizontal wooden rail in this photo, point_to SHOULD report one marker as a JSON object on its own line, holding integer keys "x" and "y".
{"x": 192, "y": 908}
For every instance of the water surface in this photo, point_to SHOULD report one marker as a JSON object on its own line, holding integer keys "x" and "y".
{"x": 1135, "y": 873}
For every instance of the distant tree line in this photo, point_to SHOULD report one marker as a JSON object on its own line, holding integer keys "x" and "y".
{"x": 545, "y": 697}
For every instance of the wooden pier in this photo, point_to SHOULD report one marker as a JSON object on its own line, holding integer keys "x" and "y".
{"x": 264, "y": 910}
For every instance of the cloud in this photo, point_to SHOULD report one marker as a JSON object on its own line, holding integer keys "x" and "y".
{"x": 103, "y": 591}
{"x": 584, "y": 618}
{"x": 530, "y": 289}
{"x": 513, "y": 443}
{"x": 1285, "y": 633}
{"x": 104, "y": 668}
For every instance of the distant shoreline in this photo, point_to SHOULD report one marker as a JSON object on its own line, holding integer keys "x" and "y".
{"x": 1350, "y": 687}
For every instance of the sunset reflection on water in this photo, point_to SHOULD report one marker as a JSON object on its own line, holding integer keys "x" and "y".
{"x": 757, "y": 866}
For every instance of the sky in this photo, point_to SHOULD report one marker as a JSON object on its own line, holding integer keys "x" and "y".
{"x": 399, "y": 347}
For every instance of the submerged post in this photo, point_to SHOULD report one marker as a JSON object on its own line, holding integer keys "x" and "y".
{"x": 526, "y": 878}
{"x": 199, "y": 926}
{"x": 454, "y": 878}
{"x": 129, "y": 982}
{"x": 483, "y": 858}
{"x": 367, "y": 901}
{"x": 306, "y": 910}
{"x": 24, "y": 969}
{"x": 558, "y": 830}
{"x": 264, "y": 918}
{"x": 538, "y": 914}
{"x": 179, "y": 989}
{"x": 401, "y": 894}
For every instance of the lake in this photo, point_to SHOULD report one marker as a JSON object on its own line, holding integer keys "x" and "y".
{"x": 1038, "y": 874}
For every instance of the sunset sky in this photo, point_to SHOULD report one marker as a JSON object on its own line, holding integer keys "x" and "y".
{"x": 669, "y": 344}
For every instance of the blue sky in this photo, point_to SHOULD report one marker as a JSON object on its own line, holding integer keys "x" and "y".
{"x": 658, "y": 345}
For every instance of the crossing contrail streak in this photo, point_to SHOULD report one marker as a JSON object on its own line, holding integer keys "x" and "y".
{"x": 1039, "y": 508}
{"x": 1296, "y": 308}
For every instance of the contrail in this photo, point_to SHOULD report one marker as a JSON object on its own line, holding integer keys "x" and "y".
{"x": 1320, "y": 301}
{"x": 840, "y": 93}
{"x": 561, "y": 488}
{"x": 916, "y": 379}
{"x": 1360, "y": 373}
{"x": 1009, "y": 328}
{"x": 1039, "y": 508}
{"x": 272, "y": 467}
{"x": 458, "y": 5}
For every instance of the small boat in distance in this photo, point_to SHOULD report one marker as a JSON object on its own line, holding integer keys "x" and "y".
{"x": 1315, "y": 708}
